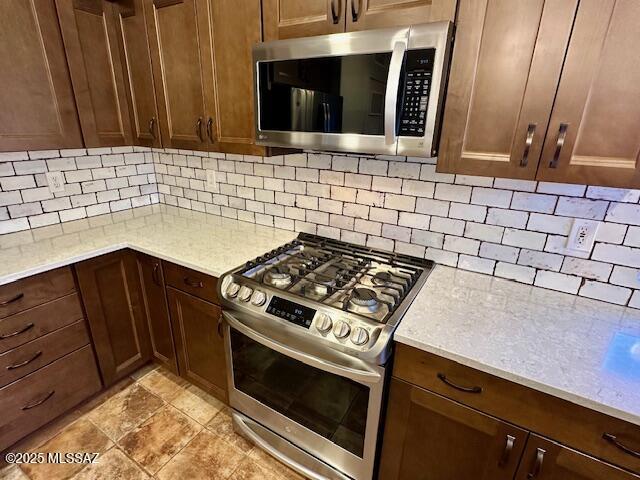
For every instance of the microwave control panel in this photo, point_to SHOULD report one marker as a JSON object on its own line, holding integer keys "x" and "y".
{"x": 417, "y": 85}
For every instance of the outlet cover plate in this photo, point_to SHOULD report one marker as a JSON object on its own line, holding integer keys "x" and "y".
{"x": 583, "y": 235}
{"x": 55, "y": 181}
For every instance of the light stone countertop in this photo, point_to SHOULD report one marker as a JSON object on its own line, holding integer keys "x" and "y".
{"x": 584, "y": 351}
{"x": 568, "y": 346}
{"x": 207, "y": 243}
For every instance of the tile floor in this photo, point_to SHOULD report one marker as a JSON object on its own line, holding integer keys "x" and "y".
{"x": 157, "y": 427}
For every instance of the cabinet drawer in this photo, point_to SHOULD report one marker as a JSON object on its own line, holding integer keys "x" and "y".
{"x": 27, "y": 358}
{"x": 40, "y": 397}
{"x": 563, "y": 421}
{"x": 31, "y": 291}
{"x": 196, "y": 283}
{"x": 25, "y": 326}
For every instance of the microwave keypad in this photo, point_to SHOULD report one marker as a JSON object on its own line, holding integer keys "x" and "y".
{"x": 416, "y": 92}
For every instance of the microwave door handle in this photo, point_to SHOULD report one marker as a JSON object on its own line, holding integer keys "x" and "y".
{"x": 325, "y": 116}
{"x": 328, "y": 117}
{"x": 391, "y": 96}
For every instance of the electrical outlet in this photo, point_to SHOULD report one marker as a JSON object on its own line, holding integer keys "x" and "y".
{"x": 583, "y": 234}
{"x": 212, "y": 181}
{"x": 55, "y": 181}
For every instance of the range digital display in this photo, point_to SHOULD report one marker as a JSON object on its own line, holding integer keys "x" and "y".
{"x": 291, "y": 312}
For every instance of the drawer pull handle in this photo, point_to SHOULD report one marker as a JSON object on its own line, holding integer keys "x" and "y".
{"x": 193, "y": 283}
{"x": 445, "y": 380}
{"x": 151, "y": 129}
{"x": 26, "y": 362}
{"x": 154, "y": 274}
{"x": 614, "y": 440}
{"x": 4, "y": 303}
{"x": 199, "y": 129}
{"x": 531, "y": 130}
{"x": 220, "y": 326}
{"x": 28, "y": 326}
{"x": 562, "y": 135}
{"x": 210, "y": 129}
{"x": 355, "y": 13}
{"x": 335, "y": 14}
{"x": 537, "y": 466}
{"x": 39, "y": 402}
{"x": 508, "y": 448}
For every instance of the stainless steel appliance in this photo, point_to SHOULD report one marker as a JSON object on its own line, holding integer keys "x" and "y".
{"x": 376, "y": 91}
{"x": 308, "y": 329}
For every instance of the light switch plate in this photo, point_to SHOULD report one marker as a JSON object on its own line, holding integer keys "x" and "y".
{"x": 55, "y": 181}
{"x": 212, "y": 181}
{"x": 583, "y": 234}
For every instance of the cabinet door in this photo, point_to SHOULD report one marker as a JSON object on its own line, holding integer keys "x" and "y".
{"x": 369, "y": 14}
{"x": 172, "y": 29}
{"x": 546, "y": 460}
{"x": 593, "y": 133}
{"x": 37, "y": 109}
{"x": 110, "y": 289}
{"x": 90, "y": 40}
{"x": 505, "y": 70}
{"x": 427, "y": 436}
{"x": 198, "y": 334}
{"x": 157, "y": 311}
{"x": 302, "y": 18}
{"x": 138, "y": 73}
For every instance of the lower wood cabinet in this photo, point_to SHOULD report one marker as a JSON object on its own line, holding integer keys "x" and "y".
{"x": 113, "y": 300}
{"x": 430, "y": 437}
{"x": 197, "y": 327}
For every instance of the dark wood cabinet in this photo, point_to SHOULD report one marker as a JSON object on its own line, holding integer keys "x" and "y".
{"x": 197, "y": 325}
{"x": 113, "y": 301}
{"x": 37, "y": 105}
{"x": 91, "y": 44}
{"x": 547, "y": 460}
{"x": 156, "y": 310}
{"x": 369, "y": 14}
{"x": 302, "y": 18}
{"x": 427, "y": 436}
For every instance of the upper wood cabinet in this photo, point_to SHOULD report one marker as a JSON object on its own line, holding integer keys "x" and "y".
{"x": 177, "y": 59}
{"x": 368, "y": 14}
{"x": 91, "y": 44}
{"x": 506, "y": 62}
{"x": 302, "y": 18}
{"x": 37, "y": 108}
{"x": 138, "y": 72}
{"x": 426, "y": 433}
{"x": 594, "y": 132}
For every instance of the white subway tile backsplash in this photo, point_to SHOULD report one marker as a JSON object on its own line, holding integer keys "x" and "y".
{"x": 567, "y": 189}
{"x": 454, "y": 193}
{"x": 632, "y": 238}
{"x": 524, "y": 239}
{"x": 400, "y": 202}
{"x": 432, "y": 207}
{"x": 404, "y": 170}
{"x": 491, "y": 197}
{"x": 582, "y": 208}
{"x": 462, "y": 211}
{"x": 414, "y": 220}
{"x": 606, "y": 292}
{"x": 476, "y": 264}
{"x": 587, "y": 268}
{"x": 625, "y": 276}
{"x": 428, "y": 239}
{"x": 461, "y": 245}
{"x": 620, "y": 255}
{"x": 514, "y": 184}
{"x": 515, "y": 272}
{"x": 624, "y": 213}
{"x": 541, "y": 222}
{"x": 345, "y": 164}
{"x": 487, "y": 233}
{"x": 534, "y": 202}
{"x": 558, "y": 281}
{"x": 418, "y": 188}
{"x": 447, "y": 225}
{"x": 374, "y": 167}
{"x": 542, "y": 260}
{"x": 474, "y": 181}
{"x": 613, "y": 194}
{"x": 428, "y": 172}
{"x": 396, "y": 232}
{"x": 441, "y": 256}
{"x": 387, "y": 184}
{"x": 502, "y": 253}
{"x": 507, "y": 218}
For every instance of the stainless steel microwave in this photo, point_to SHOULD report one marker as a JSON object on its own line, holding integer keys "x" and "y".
{"x": 376, "y": 91}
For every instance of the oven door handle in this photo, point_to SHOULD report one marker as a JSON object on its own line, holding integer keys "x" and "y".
{"x": 391, "y": 95}
{"x": 363, "y": 375}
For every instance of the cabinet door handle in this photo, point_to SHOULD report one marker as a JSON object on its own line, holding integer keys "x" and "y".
{"x": 508, "y": 448}
{"x": 26, "y": 362}
{"x": 531, "y": 130}
{"x": 614, "y": 440}
{"x": 199, "y": 128}
{"x": 28, "y": 326}
{"x": 151, "y": 127}
{"x": 562, "y": 135}
{"x": 29, "y": 406}
{"x": 193, "y": 283}
{"x": 335, "y": 13}
{"x": 210, "y": 129}
{"x": 445, "y": 380}
{"x": 537, "y": 464}
{"x": 17, "y": 297}
{"x": 355, "y": 13}
{"x": 220, "y": 325}
{"x": 154, "y": 274}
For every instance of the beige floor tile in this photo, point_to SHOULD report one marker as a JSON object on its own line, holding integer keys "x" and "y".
{"x": 207, "y": 456}
{"x": 112, "y": 465}
{"x": 81, "y": 436}
{"x": 267, "y": 461}
{"x": 251, "y": 470}
{"x": 198, "y": 404}
{"x": 221, "y": 425}
{"x": 159, "y": 438}
{"x": 163, "y": 383}
{"x": 12, "y": 472}
{"x": 141, "y": 372}
{"x": 125, "y": 411}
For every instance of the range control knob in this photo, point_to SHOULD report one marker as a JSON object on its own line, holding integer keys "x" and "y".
{"x": 342, "y": 330}
{"x": 258, "y": 298}
{"x": 245, "y": 293}
{"x": 359, "y": 336}
{"x": 233, "y": 289}
{"x": 323, "y": 323}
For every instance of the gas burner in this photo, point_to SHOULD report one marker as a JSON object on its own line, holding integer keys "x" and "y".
{"x": 277, "y": 277}
{"x": 318, "y": 289}
{"x": 363, "y": 299}
{"x": 382, "y": 279}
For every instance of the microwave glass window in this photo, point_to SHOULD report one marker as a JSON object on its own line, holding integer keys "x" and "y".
{"x": 330, "y": 405}
{"x": 328, "y": 94}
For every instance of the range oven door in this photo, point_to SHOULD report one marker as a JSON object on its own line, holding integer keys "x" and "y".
{"x": 325, "y": 406}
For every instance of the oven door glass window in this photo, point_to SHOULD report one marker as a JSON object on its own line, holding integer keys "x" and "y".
{"x": 329, "y": 405}
{"x": 342, "y": 94}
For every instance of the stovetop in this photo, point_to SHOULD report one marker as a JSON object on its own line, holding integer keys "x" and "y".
{"x": 349, "y": 296}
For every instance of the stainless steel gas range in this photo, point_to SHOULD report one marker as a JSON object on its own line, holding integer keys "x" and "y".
{"x": 308, "y": 329}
